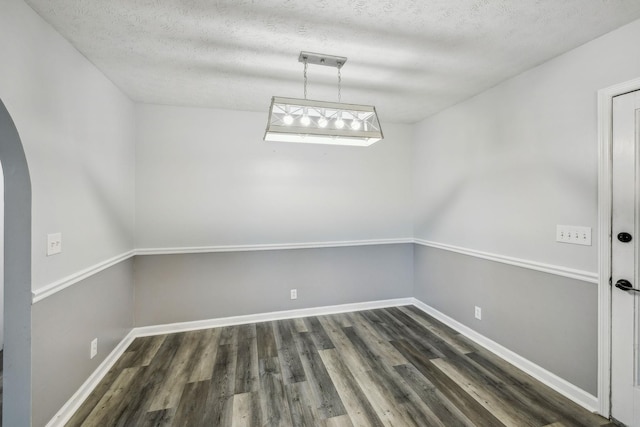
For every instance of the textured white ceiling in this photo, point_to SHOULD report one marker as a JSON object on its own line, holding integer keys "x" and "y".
{"x": 410, "y": 58}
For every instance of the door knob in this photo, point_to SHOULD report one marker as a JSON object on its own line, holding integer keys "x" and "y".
{"x": 625, "y": 285}
{"x": 624, "y": 237}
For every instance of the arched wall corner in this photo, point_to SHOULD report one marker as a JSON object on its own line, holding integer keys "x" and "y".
{"x": 16, "y": 398}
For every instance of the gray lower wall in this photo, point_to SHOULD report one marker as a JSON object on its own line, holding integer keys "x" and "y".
{"x": 179, "y": 288}
{"x": 550, "y": 320}
{"x": 64, "y": 325}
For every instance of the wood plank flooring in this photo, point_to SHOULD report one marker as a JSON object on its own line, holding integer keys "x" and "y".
{"x": 386, "y": 367}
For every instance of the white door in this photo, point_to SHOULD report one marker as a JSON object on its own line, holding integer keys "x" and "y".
{"x": 625, "y": 322}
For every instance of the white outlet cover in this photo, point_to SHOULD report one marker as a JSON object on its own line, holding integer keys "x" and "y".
{"x": 54, "y": 243}
{"x": 94, "y": 348}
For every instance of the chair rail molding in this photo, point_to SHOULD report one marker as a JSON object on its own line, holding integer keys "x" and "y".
{"x": 39, "y": 294}
{"x": 584, "y": 276}
{"x": 43, "y": 292}
{"x": 46, "y": 291}
{"x": 270, "y": 246}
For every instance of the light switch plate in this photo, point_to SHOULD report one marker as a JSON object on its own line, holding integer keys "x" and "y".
{"x": 54, "y": 243}
{"x": 573, "y": 234}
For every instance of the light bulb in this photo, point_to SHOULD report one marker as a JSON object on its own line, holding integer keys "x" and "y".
{"x": 305, "y": 120}
{"x": 339, "y": 123}
{"x": 355, "y": 125}
{"x": 322, "y": 122}
{"x": 287, "y": 119}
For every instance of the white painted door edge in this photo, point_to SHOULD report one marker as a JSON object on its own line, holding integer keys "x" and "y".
{"x": 605, "y": 129}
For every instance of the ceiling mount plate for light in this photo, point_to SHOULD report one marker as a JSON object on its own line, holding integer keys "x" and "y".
{"x": 322, "y": 59}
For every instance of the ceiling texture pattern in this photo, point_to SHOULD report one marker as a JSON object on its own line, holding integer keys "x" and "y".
{"x": 410, "y": 58}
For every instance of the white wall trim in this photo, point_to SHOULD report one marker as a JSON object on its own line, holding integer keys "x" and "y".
{"x": 605, "y": 143}
{"x": 269, "y": 247}
{"x": 73, "y": 404}
{"x": 584, "y": 276}
{"x": 50, "y": 289}
{"x": 268, "y": 317}
{"x": 61, "y": 284}
{"x": 560, "y": 385}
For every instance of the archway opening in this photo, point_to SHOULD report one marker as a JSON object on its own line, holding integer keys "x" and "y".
{"x": 16, "y": 396}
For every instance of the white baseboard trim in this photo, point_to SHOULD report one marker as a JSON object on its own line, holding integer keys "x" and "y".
{"x": 560, "y": 385}
{"x": 268, "y": 317}
{"x": 584, "y": 276}
{"x": 270, "y": 247}
{"x": 50, "y": 289}
{"x": 73, "y": 404}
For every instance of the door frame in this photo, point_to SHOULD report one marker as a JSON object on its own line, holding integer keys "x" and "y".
{"x": 605, "y": 143}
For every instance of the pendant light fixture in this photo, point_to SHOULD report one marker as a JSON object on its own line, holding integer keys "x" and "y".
{"x": 322, "y": 122}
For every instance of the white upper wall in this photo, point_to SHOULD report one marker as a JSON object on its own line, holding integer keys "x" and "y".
{"x": 495, "y": 173}
{"x": 78, "y": 133}
{"x": 205, "y": 177}
{"x": 498, "y": 172}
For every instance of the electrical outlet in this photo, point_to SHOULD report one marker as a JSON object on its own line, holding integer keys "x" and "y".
{"x": 478, "y": 313}
{"x": 94, "y": 348}
{"x": 54, "y": 243}
{"x": 573, "y": 234}
{"x": 294, "y": 294}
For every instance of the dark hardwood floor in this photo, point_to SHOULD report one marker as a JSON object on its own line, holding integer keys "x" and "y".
{"x": 386, "y": 367}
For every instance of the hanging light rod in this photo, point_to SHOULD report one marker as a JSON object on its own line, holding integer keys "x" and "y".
{"x": 322, "y": 122}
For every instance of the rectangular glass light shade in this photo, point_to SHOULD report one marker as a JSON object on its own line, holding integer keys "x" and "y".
{"x": 319, "y": 122}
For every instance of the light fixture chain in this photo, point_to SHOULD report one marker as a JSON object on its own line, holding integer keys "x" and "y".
{"x": 305, "y": 78}
{"x": 339, "y": 82}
